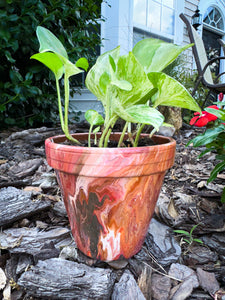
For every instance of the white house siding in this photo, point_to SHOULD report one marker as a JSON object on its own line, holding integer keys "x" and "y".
{"x": 189, "y": 10}
{"x": 118, "y": 30}
{"x": 190, "y": 7}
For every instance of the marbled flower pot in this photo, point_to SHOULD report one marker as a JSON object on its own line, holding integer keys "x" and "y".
{"x": 110, "y": 193}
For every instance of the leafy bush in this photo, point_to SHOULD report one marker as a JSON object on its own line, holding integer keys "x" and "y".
{"x": 27, "y": 97}
{"x": 213, "y": 138}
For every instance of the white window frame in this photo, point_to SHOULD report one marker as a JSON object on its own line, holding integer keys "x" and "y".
{"x": 220, "y": 5}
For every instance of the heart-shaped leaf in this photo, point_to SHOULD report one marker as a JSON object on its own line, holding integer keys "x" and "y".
{"x": 70, "y": 68}
{"x": 52, "y": 61}
{"x": 49, "y": 42}
{"x": 171, "y": 92}
{"x": 98, "y": 77}
{"x": 146, "y": 115}
{"x": 93, "y": 117}
{"x": 96, "y": 129}
{"x": 155, "y": 55}
{"x": 82, "y": 63}
{"x": 142, "y": 114}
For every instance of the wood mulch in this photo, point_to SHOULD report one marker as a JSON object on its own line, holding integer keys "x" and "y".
{"x": 39, "y": 259}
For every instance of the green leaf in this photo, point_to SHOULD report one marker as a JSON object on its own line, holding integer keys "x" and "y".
{"x": 70, "y": 68}
{"x": 9, "y": 56}
{"x": 220, "y": 157}
{"x": 112, "y": 63}
{"x": 93, "y": 117}
{"x": 95, "y": 81}
{"x": 57, "y": 64}
{"x": 29, "y": 76}
{"x": 122, "y": 84}
{"x": 207, "y": 137}
{"x": 129, "y": 69}
{"x": 82, "y": 63}
{"x": 218, "y": 113}
{"x": 104, "y": 80}
{"x": 205, "y": 152}
{"x": 182, "y": 232}
{"x": 223, "y": 196}
{"x": 193, "y": 228}
{"x": 219, "y": 103}
{"x": 155, "y": 55}
{"x": 198, "y": 241}
{"x": 171, "y": 92}
{"x": 2, "y": 107}
{"x": 187, "y": 241}
{"x": 96, "y": 129}
{"x": 13, "y": 18}
{"x": 15, "y": 76}
{"x": 52, "y": 61}
{"x": 167, "y": 124}
{"x": 144, "y": 114}
{"x": 218, "y": 168}
{"x": 49, "y": 42}
{"x": 10, "y": 121}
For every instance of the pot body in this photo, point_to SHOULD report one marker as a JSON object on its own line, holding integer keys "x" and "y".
{"x": 110, "y": 193}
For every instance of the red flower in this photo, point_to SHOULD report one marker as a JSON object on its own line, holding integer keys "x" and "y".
{"x": 204, "y": 118}
{"x": 220, "y": 97}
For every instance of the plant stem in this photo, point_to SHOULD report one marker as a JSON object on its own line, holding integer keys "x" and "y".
{"x": 122, "y": 134}
{"x": 153, "y": 131}
{"x": 60, "y": 105}
{"x": 111, "y": 123}
{"x": 138, "y": 135}
{"x": 66, "y": 109}
{"x": 131, "y": 138}
{"x": 66, "y": 102}
{"x": 89, "y": 136}
{"x": 107, "y": 108}
{"x": 107, "y": 137}
{"x": 9, "y": 100}
{"x": 129, "y": 126}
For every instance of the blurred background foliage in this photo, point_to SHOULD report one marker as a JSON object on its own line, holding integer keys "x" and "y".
{"x": 28, "y": 96}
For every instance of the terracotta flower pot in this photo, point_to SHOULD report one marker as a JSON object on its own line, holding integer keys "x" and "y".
{"x": 110, "y": 193}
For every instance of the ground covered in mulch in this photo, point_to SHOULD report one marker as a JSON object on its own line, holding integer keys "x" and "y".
{"x": 39, "y": 259}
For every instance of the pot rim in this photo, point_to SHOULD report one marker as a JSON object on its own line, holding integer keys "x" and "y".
{"x": 54, "y": 142}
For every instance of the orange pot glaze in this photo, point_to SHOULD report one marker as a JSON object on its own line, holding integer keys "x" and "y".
{"x": 110, "y": 193}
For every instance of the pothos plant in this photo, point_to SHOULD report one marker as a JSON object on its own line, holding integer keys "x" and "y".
{"x": 130, "y": 86}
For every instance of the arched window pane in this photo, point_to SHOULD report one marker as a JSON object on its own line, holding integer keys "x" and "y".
{"x": 213, "y": 18}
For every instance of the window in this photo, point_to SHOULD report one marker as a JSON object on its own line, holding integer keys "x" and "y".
{"x": 156, "y": 16}
{"x": 213, "y": 18}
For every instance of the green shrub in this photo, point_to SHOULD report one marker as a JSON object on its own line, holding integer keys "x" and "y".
{"x": 27, "y": 98}
{"x": 213, "y": 139}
